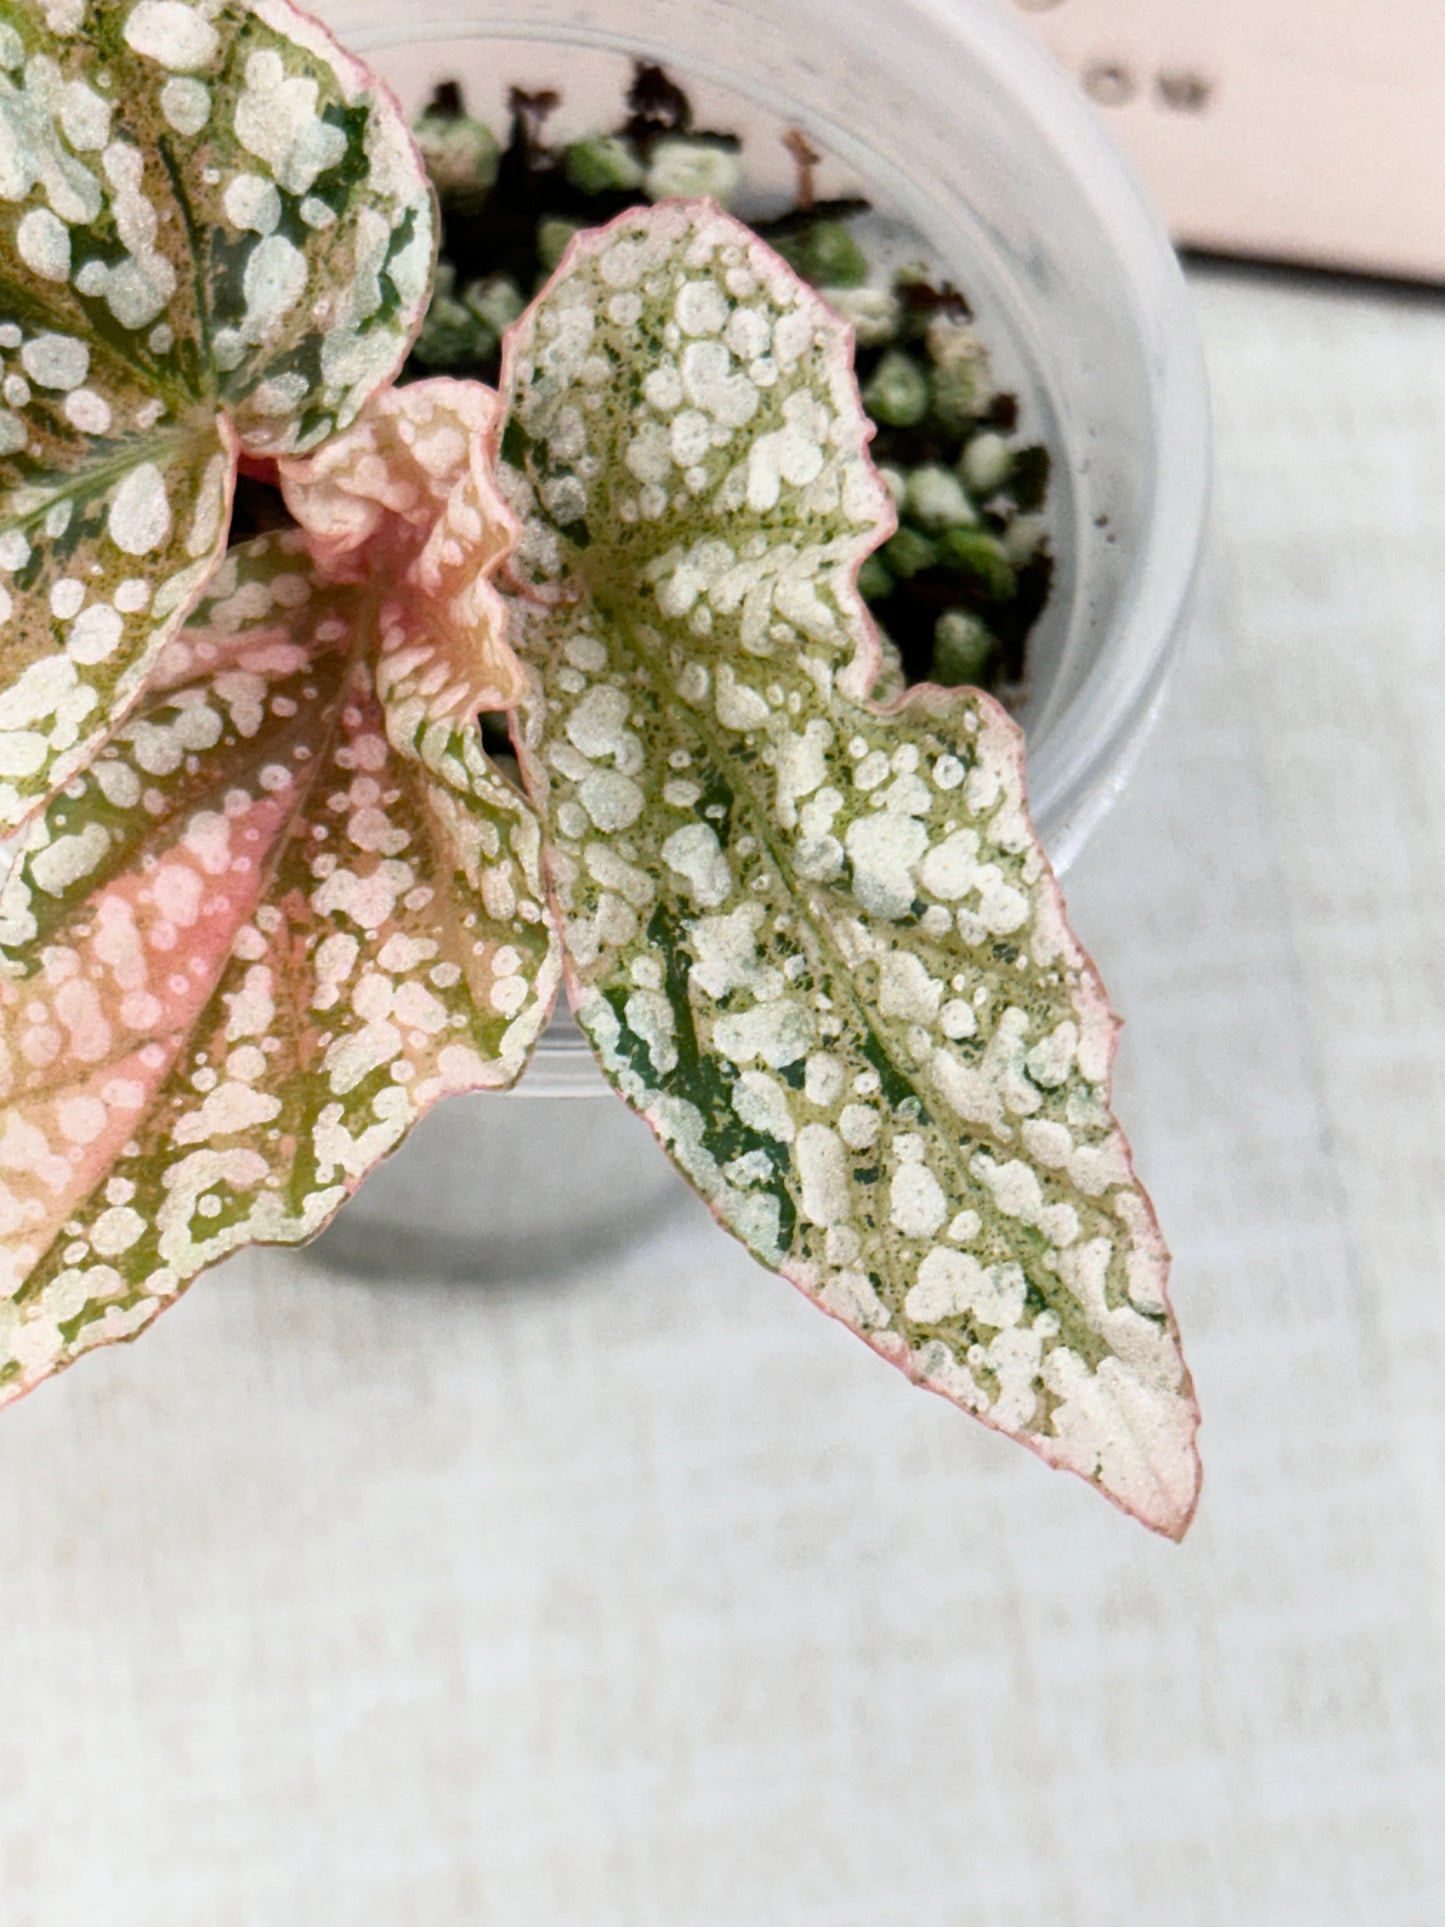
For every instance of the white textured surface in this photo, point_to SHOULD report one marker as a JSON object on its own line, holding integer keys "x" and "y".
{"x": 649, "y": 1596}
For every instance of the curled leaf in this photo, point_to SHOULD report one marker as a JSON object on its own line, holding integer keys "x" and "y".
{"x": 275, "y": 920}
{"x": 405, "y": 498}
{"x": 815, "y": 943}
{"x": 215, "y": 234}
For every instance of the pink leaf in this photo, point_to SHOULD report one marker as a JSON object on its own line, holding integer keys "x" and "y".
{"x": 277, "y": 919}
{"x": 405, "y": 499}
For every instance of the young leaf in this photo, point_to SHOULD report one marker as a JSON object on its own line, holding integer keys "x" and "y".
{"x": 215, "y": 234}
{"x": 406, "y": 498}
{"x": 273, "y": 922}
{"x": 816, "y": 944}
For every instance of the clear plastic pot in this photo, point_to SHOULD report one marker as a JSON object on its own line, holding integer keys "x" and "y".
{"x": 959, "y": 128}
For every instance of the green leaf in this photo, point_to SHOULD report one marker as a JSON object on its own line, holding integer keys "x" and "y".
{"x": 215, "y": 235}
{"x": 815, "y": 944}
{"x": 278, "y": 918}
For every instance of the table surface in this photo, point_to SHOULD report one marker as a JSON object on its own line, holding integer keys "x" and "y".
{"x": 649, "y": 1596}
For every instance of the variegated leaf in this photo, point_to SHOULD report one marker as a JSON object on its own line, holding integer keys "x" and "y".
{"x": 815, "y": 944}
{"x": 273, "y": 922}
{"x": 214, "y": 232}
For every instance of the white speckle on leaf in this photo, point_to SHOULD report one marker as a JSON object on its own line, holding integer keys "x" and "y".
{"x": 95, "y": 634}
{"x": 701, "y": 308}
{"x": 777, "y": 1033}
{"x": 649, "y": 1016}
{"x": 823, "y": 1168}
{"x": 140, "y": 513}
{"x": 905, "y": 988}
{"x": 883, "y": 850}
{"x": 230, "y": 1108}
{"x": 624, "y": 263}
{"x": 916, "y": 1201}
{"x": 252, "y": 202}
{"x": 1014, "y": 1187}
{"x": 597, "y": 725}
{"x": 954, "y": 1284}
{"x": 739, "y": 706}
{"x": 957, "y": 1019}
{"x": 84, "y": 117}
{"x": 825, "y": 1080}
{"x": 176, "y": 35}
{"x": 67, "y": 598}
{"x": 186, "y": 105}
{"x": 612, "y": 800}
{"x": 65, "y": 861}
{"x": 116, "y": 1230}
{"x": 274, "y": 281}
{"x": 81, "y": 1119}
{"x": 712, "y": 383}
{"x": 694, "y": 854}
{"x": 23, "y": 752}
{"x": 858, "y": 1126}
{"x": 55, "y": 361}
{"x": 88, "y": 412}
{"x": 43, "y": 244}
{"x": 762, "y": 1104}
{"x": 278, "y": 120}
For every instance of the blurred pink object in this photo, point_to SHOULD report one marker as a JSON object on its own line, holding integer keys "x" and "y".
{"x": 1310, "y": 131}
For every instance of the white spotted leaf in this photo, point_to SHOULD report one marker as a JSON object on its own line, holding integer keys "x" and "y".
{"x": 216, "y": 237}
{"x": 816, "y": 943}
{"x": 284, "y": 911}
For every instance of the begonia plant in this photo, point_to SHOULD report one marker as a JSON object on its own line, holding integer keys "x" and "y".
{"x": 271, "y": 900}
